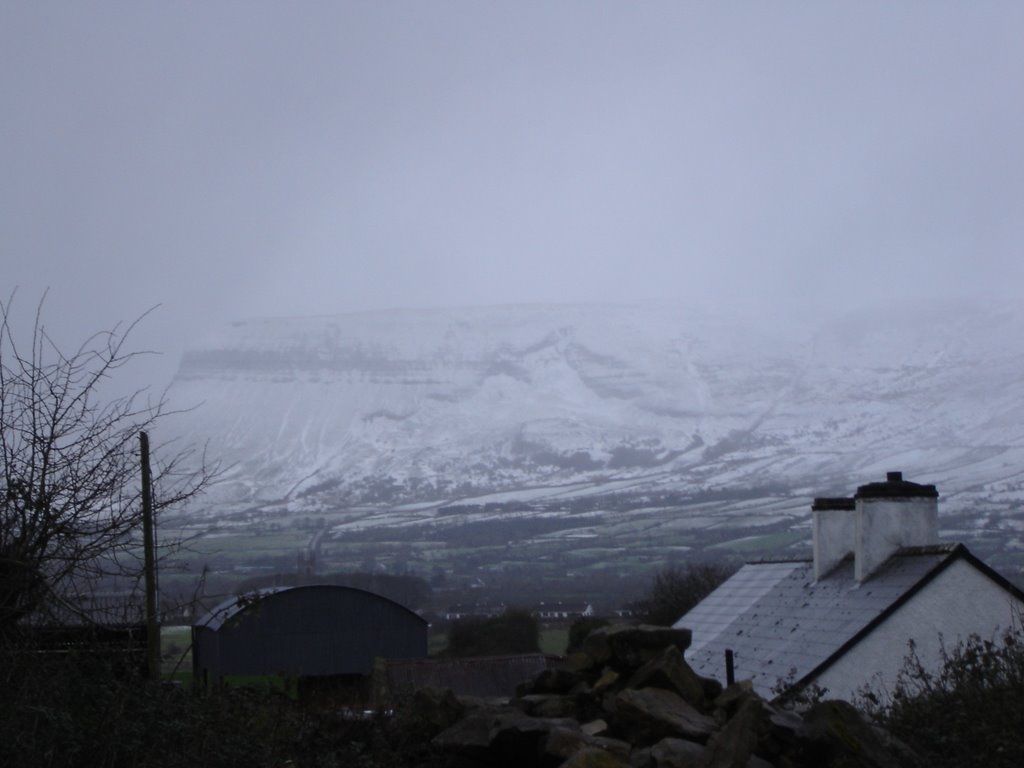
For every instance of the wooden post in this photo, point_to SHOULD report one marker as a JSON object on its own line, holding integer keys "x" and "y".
{"x": 149, "y": 565}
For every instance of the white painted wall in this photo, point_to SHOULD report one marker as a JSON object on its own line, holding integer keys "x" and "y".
{"x": 958, "y": 602}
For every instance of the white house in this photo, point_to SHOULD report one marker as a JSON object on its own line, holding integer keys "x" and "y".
{"x": 563, "y": 610}
{"x": 878, "y": 579}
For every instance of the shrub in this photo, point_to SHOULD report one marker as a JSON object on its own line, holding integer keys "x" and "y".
{"x": 514, "y": 631}
{"x": 676, "y": 589}
{"x": 74, "y": 711}
{"x": 71, "y": 504}
{"x": 582, "y": 627}
{"x": 968, "y": 713}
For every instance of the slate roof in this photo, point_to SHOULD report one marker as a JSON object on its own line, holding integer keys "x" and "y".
{"x": 783, "y": 626}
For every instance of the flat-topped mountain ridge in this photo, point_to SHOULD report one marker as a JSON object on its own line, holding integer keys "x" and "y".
{"x": 417, "y": 410}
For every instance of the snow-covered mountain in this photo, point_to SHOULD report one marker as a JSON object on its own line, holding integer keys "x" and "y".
{"x": 443, "y": 406}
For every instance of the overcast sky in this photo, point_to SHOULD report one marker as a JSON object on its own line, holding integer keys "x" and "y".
{"x": 232, "y": 159}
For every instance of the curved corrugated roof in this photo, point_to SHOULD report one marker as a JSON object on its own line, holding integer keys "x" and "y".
{"x": 233, "y": 606}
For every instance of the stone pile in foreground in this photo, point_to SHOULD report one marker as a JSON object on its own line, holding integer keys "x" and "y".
{"x": 628, "y": 699}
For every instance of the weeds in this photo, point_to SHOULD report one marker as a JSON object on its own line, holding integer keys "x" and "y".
{"x": 73, "y": 710}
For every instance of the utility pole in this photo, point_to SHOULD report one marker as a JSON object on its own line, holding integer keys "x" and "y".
{"x": 149, "y": 565}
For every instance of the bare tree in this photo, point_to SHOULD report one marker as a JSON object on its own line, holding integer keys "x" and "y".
{"x": 70, "y": 492}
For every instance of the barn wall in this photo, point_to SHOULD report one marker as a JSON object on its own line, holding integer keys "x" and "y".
{"x": 205, "y": 657}
{"x": 958, "y": 602}
{"x": 312, "y": 631}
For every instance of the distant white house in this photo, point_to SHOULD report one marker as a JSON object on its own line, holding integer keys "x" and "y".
{"x": 563, "y": 610}
{"x": 474, "y": 611}
{"x": 878, "y": 579}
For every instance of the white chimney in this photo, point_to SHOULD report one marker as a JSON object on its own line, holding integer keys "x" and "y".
{"x": 890, "y": 515}
{"x": 873, "y": 525}
{"x": 835, "y": 527}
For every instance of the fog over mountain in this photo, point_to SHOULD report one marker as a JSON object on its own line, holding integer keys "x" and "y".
{"x": 415, "y": 409}
{"x": 250, "y": 158}
{"x": 698, "y": 255}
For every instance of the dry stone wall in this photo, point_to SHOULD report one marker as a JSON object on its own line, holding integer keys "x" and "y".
{"x": 628, "y": 699}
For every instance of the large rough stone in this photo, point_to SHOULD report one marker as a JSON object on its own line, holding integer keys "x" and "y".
{"x": 516, "y": 739}
{"x": 594, "y": 727}
{"x": 560, "y": 681}
{"x": 712, "y": 687}
{"x": 672, "y": 753}
{"x": 547, "y": 705}
{"x": 432, "y": 710}
{"x": 731, "y": 698}
{"x": 579, "y": 661}
{"x": 608, "y": 680}
{"x": 499, "y": 737}
{"x": 648, "y": 715}
{"x": 663, "y": 731}
{"x": 772, "y": 731}
{"x": 734, "y": 745}
{"x": 581, "y": 706}
{"x": 563, "y": 743}
{"x": 780, "y": 735}
{"x": 668, "y": 670}
{"x": 470, "y": 738}
{"x": 594, "y": 757}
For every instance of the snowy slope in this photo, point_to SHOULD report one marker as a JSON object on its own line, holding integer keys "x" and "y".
{"x": 442, "y": 405}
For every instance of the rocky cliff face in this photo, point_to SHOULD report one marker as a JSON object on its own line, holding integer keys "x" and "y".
{"x": 441, "y": 406}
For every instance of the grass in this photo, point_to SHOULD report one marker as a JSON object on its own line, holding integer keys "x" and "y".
{"x": 436, "y": 642}
{"x": 176, "y": 652}
{"x": 767, "y": 543}
{"x": 554, "y": 640}
{"x": 241, "y": 545}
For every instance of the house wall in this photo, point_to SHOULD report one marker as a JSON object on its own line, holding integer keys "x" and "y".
{"x": 958, "y": 602}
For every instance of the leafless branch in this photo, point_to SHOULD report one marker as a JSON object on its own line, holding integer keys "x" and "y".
{"x": 70, "y": 496}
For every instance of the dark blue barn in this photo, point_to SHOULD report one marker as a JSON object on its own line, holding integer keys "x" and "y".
{"x": 304, "y": 631}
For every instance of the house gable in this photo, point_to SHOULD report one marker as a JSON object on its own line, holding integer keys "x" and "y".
{"x": 957, "y": 599}
{"x": 878, "y": 578}
{"x": 788, "y": 630}
{"x": 782, "y": 624}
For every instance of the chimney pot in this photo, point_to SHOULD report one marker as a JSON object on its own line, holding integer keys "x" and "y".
{"x": 894, "y": 477}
